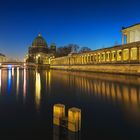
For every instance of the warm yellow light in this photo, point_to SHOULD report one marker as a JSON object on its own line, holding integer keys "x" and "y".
{"x": 58, "y": 113}
{"x": 74, "y": 119}
{"x": 24, "y": 84}
{"x": 37, "y": 90}
{"x": 17, "y": 86}
{"x": 49, "y": 60}
{"x": 12, "y": 71}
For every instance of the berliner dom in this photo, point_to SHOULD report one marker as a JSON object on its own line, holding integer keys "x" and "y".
{"x": 39, "y": 52}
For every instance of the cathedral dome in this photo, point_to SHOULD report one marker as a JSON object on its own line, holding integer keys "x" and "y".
{"x": 39, "y": 42}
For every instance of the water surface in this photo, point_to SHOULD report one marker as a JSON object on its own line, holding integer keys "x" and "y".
{"x": 110, "y": 104}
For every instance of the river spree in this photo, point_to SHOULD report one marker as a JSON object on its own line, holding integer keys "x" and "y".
{"x": 110, "y": 104}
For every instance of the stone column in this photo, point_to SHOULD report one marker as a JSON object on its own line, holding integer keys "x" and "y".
{"x": 129, "y": 49}
{"x": 87, "y": 59}
{"x": 115, "y": 55}
{"x": 128, "y": 37}
{"x": 84, "y": 59}
{"x": 122, "y": 38}
{"x": 134, "y": 36}
{"x": 122, "y": 56}
{"x": 138, "y": 54}
{"x": 105, "y": 56}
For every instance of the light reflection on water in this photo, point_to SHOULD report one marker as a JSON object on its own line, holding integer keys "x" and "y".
{"x": 9, "y": 80}
{"x": 41, "y": 89}
{"x": 24, "y": 83}
{"x": 37, "y": 90}
{"x": 17, "y": 84}
{"x": 0, "y": 81}
{"x": 121, "y": 90}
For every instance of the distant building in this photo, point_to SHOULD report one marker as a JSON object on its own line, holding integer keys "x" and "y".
{"x": 131, "y": 34}
{"x": 39, "y": 52}
{"x": 2, "y": 58}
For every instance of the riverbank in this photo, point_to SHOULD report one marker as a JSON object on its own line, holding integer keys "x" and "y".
{"x": 132, "y": 69}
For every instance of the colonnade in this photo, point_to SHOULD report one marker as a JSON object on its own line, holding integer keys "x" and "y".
{"x": 2, "y": 58}
{"x": 129, "y": 53}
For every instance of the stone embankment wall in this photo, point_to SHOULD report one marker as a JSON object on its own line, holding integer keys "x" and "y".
{"x": 104, "y": 68}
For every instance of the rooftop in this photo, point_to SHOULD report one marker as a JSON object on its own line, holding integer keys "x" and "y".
{"x": 130, "y": 26}
{"x": 2, "y": 55}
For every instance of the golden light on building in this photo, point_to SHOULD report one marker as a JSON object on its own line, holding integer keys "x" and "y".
{"x": 37, "y": 90}
{"x": 74, "y": 119}
{"x": 58, "y": 113}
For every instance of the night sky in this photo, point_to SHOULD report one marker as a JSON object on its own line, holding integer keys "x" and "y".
{"x": 91, "y": 23}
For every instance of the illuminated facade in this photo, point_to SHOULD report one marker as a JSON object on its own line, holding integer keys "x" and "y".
{"x": 2, "y": 58}
{"x": 39, "y": 53}
{"x": 131, "y": 34}
{"x": 129, "y": 52}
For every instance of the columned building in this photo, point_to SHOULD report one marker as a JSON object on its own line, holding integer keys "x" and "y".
{"x": 39, "y": 52}
{"x": 2, "y": 58}
{"x": 131, "y": 34}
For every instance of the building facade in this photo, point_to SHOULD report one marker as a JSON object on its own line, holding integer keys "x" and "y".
{"x": 39, "y": 52}
{"x": 2, "y": 58}
{"x": 131, "y": 34}
{"x": 123, "y": 58}
{"x": 127, "y": 53}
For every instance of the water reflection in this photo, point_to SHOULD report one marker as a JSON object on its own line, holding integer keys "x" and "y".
{"x": 60, "y": 133}
{"x": 48, "y": 81}
{"x": 73, "y": 88}
{"x": 0, "y": 81}
{"x": 12, "y": 71}
{"x": 37, "y": 90}
{"x": 24, "y": 83}
{"x": 9, "y": 80}
{"x": 17, "y": 82}
{"x": 124, "y": 90}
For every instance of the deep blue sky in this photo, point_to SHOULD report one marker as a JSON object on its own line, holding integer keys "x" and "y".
{"x": 91, "y": 23}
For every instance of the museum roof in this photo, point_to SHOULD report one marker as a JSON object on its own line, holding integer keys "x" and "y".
{"x": 130, "y": 26}
{"x": 2, "y": 55}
